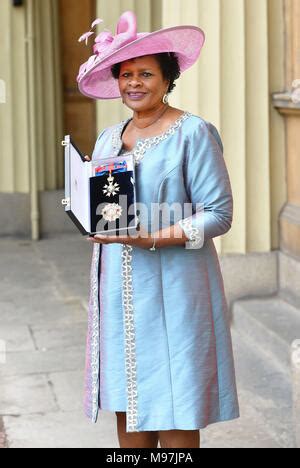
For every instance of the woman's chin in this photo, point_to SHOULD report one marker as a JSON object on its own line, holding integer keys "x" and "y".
{"x": 136, "y": 105}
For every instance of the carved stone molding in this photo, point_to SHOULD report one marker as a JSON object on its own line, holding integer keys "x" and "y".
{"x": 283, "y": 102}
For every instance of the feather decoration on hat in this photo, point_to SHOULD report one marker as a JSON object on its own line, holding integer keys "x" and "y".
{"x": 85, "y": 37}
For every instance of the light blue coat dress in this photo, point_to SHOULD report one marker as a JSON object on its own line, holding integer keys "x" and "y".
{"x": 159, "y": 343}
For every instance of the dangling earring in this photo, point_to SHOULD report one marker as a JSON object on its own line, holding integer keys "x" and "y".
{"x": 166, "y": 99}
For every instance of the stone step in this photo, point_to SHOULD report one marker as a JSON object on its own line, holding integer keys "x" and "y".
{"x": 265, "y": 398}
{"x": 272, "y": 325}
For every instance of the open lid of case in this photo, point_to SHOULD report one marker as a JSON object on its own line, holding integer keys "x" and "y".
{"x": 77, "y": 191}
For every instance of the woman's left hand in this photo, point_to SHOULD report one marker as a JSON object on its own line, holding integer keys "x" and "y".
{"x": 142, "y": 239}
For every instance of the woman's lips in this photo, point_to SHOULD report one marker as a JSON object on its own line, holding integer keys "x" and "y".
{"x": 136, "y": 96}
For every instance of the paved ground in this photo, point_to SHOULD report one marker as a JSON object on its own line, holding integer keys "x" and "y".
{"x": 43, "y": 309}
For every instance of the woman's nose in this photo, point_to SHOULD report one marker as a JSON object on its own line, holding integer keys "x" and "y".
{"x": 134, "y": 82}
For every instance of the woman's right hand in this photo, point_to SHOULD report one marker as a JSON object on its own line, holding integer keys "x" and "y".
{"x": 87, "y": 158}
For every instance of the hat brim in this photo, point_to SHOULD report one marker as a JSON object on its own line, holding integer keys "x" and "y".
{"x": 186, "y": 41}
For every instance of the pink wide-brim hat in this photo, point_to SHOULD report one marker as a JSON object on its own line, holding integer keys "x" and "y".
{"x": 95, "y": 78}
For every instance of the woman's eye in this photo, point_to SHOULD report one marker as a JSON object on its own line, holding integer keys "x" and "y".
{"x": 125, "y": 75}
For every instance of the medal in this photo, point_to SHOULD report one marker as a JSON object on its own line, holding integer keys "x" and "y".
{"x": 112, "y": 212}
{"x": 111, "y": 189}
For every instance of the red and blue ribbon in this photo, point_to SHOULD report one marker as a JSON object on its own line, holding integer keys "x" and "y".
{"x": 114, "y": 168}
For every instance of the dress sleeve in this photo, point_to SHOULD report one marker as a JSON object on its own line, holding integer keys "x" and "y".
{"x": 208, "y": 187}
{"x": 97, "y": 143}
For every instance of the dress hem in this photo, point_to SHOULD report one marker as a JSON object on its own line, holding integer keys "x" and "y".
{"x": 183, "y": 427}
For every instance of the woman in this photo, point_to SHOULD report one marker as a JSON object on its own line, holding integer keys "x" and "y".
{"x": 159, "y": 350}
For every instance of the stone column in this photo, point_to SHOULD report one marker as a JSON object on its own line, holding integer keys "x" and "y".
{"x": 288, "y": 105}
{"x": 30, "y": 115}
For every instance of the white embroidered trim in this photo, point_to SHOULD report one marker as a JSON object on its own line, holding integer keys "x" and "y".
{"x": 130, "y": 347}
{"x": 143, "y": 145}
{"x": 192, "y": 233}
{"x": 95, "y": 344}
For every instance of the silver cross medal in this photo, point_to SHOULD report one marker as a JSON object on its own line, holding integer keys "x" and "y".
{"x": 111, "y": 189}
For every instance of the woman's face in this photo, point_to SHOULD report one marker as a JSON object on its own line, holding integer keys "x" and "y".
{"x": 141, "y": 83}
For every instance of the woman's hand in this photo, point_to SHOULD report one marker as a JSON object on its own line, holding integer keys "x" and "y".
{"x": 142, "y": 239}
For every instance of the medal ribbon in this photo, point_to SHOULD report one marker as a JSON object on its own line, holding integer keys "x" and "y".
{"x": 113, "y": 168}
